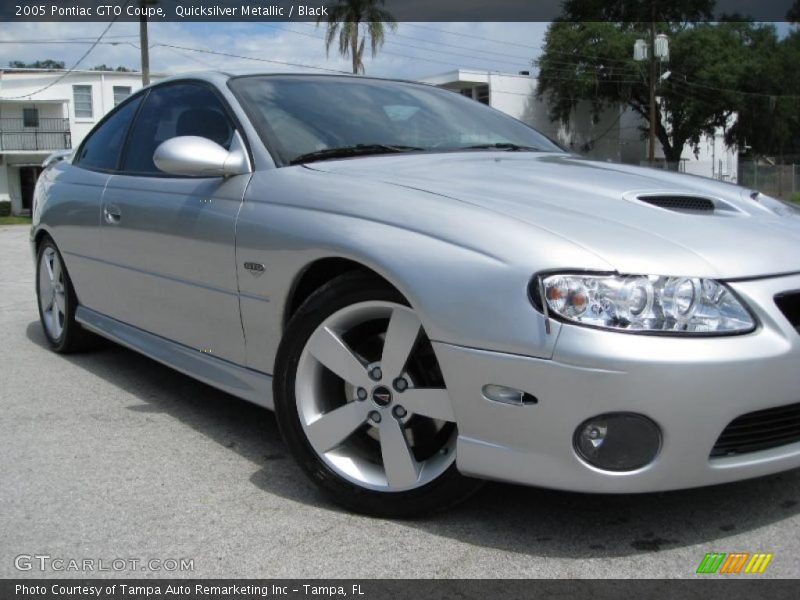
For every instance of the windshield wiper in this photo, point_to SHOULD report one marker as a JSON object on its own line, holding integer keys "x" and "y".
{"x": 501, "y": 146}
{"x": 345, "y": 151}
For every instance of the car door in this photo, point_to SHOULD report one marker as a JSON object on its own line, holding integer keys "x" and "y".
{"x": 169, "y": 240}
{"x": 75, "y": 190}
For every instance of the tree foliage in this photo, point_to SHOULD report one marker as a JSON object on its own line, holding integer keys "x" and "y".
{"x": 119, "y": 69}
{"x": 716, "y": 70}
{"x": 355, "y": 21}
{"x": 48, "y": 63}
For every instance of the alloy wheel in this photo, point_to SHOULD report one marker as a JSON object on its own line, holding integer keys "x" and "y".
{"x": 52, "y": 293}
{"x": 371, "y": 399}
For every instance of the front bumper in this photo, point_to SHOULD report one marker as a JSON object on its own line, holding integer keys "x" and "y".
{"x": 691, "y": 387}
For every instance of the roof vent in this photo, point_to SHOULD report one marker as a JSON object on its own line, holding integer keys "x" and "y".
{"x": 693, "y": 204}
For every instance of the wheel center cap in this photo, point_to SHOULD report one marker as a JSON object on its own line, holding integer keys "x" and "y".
{"x": 382, "y": 396}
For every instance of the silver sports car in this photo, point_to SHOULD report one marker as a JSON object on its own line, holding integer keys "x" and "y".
{"x": 429, "y": 292}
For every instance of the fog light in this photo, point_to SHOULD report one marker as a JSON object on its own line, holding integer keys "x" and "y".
{"x": 507, "y": 395}
{"x": 618, "y": 441}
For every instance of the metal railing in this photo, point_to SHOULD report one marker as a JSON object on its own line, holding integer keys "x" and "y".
{"x": 50, "y": 134}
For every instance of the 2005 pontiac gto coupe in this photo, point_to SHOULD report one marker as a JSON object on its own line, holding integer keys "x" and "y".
{"x": 427, "y": 291}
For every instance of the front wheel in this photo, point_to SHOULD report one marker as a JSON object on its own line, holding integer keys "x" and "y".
{"x": 362, "y": 403}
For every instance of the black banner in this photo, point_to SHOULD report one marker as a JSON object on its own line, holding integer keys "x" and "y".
{"x": 393, "y": 589}
{"x": 401, "y": 10}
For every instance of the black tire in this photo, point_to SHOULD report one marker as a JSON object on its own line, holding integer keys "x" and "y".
{"x": 443, "y": 492}
{"x": 73, "y": 337}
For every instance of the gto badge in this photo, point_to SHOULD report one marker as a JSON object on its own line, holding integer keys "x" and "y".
{"x": 256, "y": 269}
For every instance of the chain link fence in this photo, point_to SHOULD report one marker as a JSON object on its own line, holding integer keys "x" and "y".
{"x": 780, "y": 181}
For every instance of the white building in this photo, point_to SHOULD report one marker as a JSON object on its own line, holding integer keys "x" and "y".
{"x": 41, "y": 110}
{"x": 616, "y": 135}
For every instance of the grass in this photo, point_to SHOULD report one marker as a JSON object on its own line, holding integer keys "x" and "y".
{"x": 13, "y": 220}
{"x": 796, "y": 198}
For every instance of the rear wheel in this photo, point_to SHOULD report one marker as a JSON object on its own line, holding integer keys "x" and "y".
{"x": 57, "y": 301}
{"x": 362, "y": 403}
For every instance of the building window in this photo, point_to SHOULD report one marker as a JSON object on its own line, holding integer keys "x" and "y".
{"x": 82, "y": 96}
{"x": 466, "y": 92}
{"x": 30, "y": 117}
{"x": 121, "y": 92}
{"x": 482, "y": 94}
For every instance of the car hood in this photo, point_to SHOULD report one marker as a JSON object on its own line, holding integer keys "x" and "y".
{"x": 598, "y": 206}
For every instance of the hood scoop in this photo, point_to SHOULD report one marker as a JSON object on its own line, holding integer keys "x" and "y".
{"x": 692, "y": 204}
{"x": 685, "y": 203}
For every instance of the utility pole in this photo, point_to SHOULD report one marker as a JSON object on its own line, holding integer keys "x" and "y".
{"x": 656, "y": 50}
{"x": 144, "y": 49}
{"x": 652, "y": 151}
{"x": 143, "y": 43}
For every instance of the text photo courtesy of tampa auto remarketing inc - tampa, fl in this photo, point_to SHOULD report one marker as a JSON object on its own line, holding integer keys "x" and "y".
{"x": 399, "y": 299}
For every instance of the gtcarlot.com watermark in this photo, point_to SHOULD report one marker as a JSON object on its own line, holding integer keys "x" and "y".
{"x": 58, "y": 564}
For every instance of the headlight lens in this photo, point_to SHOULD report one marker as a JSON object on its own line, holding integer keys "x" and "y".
{"x": 646, "y": 303}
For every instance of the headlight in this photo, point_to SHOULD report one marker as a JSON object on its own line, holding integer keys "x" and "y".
{"x": 645, "y": 303}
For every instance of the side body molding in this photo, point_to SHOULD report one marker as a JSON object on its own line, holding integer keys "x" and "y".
{"x": 242, "y": 382}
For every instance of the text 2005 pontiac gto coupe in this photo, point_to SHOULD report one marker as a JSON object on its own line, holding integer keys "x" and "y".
{"x": 429, "y": 292}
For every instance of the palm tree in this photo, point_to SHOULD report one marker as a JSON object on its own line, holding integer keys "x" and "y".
{"x": 351, "y": 19}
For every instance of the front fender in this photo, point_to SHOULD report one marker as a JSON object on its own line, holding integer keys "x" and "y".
{"x": 464, "y": 269}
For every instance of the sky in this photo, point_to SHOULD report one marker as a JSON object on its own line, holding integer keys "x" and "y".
{"x": 415, "y": 50}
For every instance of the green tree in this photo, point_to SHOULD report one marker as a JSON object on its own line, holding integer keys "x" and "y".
{"x": 39, "y": 64}
{"x": 353, "y": 22}
{"x": 793, "y": 16}
{"x": 593, "y": 62}
{"x": 590, "y": 60}
{"x": 105, "y": 67}
{"x": 768, "y": 104}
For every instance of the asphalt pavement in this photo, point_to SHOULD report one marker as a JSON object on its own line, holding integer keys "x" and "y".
{"x": 108, "y": 455}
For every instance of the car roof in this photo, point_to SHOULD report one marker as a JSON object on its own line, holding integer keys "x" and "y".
{"x": 220, "y": 76}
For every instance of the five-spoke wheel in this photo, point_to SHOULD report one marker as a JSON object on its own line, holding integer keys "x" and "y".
{"x": 52, "y": 301}
{"x": 57, "y": 301}
{"x": 363, "y": 404}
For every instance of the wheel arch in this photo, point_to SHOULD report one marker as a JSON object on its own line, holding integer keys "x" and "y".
{"x": 318, "y": 273}
{"x": 39, "y": 236}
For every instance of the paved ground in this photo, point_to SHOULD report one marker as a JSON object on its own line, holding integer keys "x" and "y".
{"x": 111, "y": 455}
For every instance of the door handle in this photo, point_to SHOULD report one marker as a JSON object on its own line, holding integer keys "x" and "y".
{"x": 112, "y": 213}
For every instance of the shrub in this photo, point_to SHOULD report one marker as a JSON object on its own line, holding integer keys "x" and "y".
{"x": 5, "y": 208}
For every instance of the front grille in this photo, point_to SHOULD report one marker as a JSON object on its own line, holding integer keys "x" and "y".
{"x": 680, "y": 203}
{"x": 789, "y": 303}
{"x": 759, "y": 430}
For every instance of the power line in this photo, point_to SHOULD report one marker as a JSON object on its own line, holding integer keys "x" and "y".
{"x": 317, "y": 37}
{"x": 505, "y": 42}
{"x": 68, "y": 71}
{"x": 78, "y": 40}
{"x": 472, "y": 36}
{"x": 389, "y": 52}
{"x": 231, "y": 55}
{"x": 686, "y": 81}
{"x": 418, "y": 40}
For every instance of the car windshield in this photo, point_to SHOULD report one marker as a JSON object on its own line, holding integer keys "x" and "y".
{"x": 311, "y": 117}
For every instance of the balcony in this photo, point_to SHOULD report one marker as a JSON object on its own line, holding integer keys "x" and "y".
{"x": 51, "y": 134}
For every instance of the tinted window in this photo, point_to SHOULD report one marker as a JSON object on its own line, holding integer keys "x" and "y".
{"x": 171, "y": 111}
{"x": 102, "y": 148}
{"x": 302, "y": 114}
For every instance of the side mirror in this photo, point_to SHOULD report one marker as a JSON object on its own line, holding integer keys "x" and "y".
{"x": 200, "y": 157}
{"x": 57, "y": 156}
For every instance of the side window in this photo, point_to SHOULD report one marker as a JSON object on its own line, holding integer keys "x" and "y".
{"x": 175, "y": 110}
{"x": 102, "y": 148}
